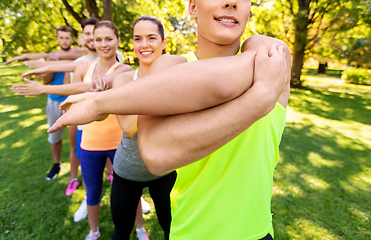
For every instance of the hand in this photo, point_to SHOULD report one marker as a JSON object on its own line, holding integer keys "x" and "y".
{"x": 31, "y": 88}
{"x": 66, "y": 104}
{"x": 35, "y": 63}
{"x": 38, "y": 73}
{"x": 22, "y": 57}
{"x": 53, "y": 56}
{"x": 270, "y": 68}
{"x": 79, "y": 114}
{"x": 99, "y": 84}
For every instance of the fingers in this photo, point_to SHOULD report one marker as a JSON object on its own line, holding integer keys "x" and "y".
{"x": 99, "y": 84}
{"x": 27, "y": 74}
{"x": 57, "y": 125}
{"x": 64, "y": 106}
{"x": 27, "y": 80}
{"x": 20, "y": 89}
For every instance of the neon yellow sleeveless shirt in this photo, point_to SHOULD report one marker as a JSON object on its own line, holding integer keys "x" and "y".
{"x": 227, "y": 194}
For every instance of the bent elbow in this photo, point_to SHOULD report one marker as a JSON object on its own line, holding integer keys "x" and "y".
{"x": 154, "y": 157}
{"x": 154, "y": 163}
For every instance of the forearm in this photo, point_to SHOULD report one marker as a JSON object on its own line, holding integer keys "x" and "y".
{"x": 70, "y": 55}
{"x": 66, "y": 66}
{"x": 66, "y": 89}
{"x": 170, "y": 142}
{"x": 183, "y": 88}
{"x": 40, "y": 64}
{"x": 33, "y": 56}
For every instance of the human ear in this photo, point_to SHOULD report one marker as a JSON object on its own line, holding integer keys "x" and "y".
{"x": 192, "y": 9}
{"x": 164, "y": 44}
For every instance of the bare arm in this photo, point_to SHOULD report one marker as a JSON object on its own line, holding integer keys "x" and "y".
{"x": 55, "y": 67}
{"x": 190, "y": 86}
{"x": 170, "y": 142}
{"x": 33, "y": 88}
{"x": 110, "y": 78}
{"x": 42, "y": 63}
{"x": 70, "y": 55}
{"x": 185, "y": 87}
{"x": 128, "y": 123}
{"x": 28, "y": 56}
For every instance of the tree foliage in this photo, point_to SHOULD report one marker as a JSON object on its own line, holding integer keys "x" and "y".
{"x": 309, "y": 27}
{"x": 30, "y": 27}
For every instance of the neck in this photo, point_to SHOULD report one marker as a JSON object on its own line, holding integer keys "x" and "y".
{"x": 106, "y": 63}
{"x": 207, "y": 49}
{"x": 143, "y": 70}
{"x": 92, "y": 54}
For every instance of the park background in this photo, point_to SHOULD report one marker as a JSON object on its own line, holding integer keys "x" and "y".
{"x": 322, "y": 184}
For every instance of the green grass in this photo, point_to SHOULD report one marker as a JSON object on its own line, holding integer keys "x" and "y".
{"x": 30, "y": 206}
{"x": 322, "y": 185}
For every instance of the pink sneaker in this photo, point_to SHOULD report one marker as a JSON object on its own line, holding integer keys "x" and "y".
{"x": 72, "y": 186}
{"x": 110, "y": 177}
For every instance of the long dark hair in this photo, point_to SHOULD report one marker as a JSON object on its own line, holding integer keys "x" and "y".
{"x": 156, "y": 21}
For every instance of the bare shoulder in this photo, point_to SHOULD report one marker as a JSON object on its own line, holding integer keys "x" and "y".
{"x": 166, "y": 61}
{"x": 80, "y": 72}
{"x": 123, "y": 78}
{"x": 82, "y": 67}
{"x": 124, "y": 67}
{"x": 253, "y": 42}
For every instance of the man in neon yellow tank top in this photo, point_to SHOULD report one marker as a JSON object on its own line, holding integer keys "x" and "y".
{"x": 227, "y": 110}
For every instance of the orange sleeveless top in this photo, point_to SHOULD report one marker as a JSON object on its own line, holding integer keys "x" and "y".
{"x": 104, "y": 135}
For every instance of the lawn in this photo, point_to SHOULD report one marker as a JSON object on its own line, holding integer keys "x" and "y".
{"x": 322, "y": 185}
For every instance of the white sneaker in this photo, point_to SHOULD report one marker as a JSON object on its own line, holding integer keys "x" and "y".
{"x": 82, "y": 212}
{"x": 145, "y": 206}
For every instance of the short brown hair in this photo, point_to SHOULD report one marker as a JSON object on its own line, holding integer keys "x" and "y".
{"x": 65, "y": 28}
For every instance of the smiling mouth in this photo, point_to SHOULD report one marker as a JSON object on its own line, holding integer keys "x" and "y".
{"x": 146, "y": 53}
{"x": 227, "y": 20}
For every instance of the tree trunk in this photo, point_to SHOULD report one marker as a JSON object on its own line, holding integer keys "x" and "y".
{"x": 322, "y": 68}
{"x": 107, "y": 10}
{"x": 91, "y": 5}
{"x": 297, "y": 65}
{"x": 3, "y": 55}
{"x": 301, "y": 23}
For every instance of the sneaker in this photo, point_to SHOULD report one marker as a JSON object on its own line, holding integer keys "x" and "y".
{"x": 110, "y": 177}
{"x": 82, "y": 212}
{"x": 142, "y": 234}
{"x": 72, "y": 186}
{"x": 53, "y": 172}
{"x": 93, "y": 235}
{"x": 146, "y": 208}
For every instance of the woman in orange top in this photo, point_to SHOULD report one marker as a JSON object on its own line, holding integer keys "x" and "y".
{"x": 99, "y": 139}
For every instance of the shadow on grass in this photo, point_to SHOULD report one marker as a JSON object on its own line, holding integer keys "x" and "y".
{"x": 341, "y": 106}
{"x": 322, "y": 184}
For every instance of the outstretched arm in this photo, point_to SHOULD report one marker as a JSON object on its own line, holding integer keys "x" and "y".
{"x": 72, "y": 54}
{"x": 28, "y": 56}
{"x": 55, "y": 67}
{"x": 185, "y": 87}
{"x": 42, "y": 63}
{"x": 34, "y": 88}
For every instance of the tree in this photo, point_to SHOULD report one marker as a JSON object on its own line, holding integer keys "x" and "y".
{"x": 30, "y": 27}
{"x": 302, "y": 24}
